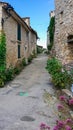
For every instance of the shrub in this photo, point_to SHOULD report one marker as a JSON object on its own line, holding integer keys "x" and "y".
{"x": 61, "y": 79}
{"x": 39, "y": 49}
{"x": 51, "y": 29}
{"x": 9, "y": 73}
{"x": 2, "y": 49}
{"x": 71, "y": 74}
{"x": 1, "y": 82}
{"x": 34, "y": 54}
{"x": 53, "y": 66}
{"x": 24, "y": 62}
{"x": 17, "y": 70}
{"x": 2, "y": 58}
{"x": 30, "y": 58}
{"x": 18, "y": 67}
{"x": 2, "y": 77}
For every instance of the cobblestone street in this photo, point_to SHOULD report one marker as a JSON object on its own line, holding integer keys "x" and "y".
{"x": 23, "y": 103}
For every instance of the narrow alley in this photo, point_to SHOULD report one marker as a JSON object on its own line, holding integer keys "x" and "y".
{"x": 22, "y": 101}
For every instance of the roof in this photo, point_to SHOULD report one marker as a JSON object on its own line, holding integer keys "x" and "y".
{"x": 33, "y": 31}
{"x": 13, "y": 12}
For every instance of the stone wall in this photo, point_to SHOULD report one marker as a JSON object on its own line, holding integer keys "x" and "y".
{"x": 32, "y": 42}
{"x": 10, "y": 29}
{"x": 28, "y": 36}
{"x": 63, "y": 29}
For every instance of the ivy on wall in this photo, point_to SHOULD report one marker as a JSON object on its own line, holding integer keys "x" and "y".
{"x": 2, "y": 50}
{"x": 2, "y": 58}
{"x": 51, "y": 29}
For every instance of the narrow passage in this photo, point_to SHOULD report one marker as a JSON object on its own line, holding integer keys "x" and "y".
{"x": 24, "y": 102}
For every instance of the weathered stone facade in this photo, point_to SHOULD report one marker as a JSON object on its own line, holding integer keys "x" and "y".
{"x": 10, "y": 25}
{"x": 64, "y": 30}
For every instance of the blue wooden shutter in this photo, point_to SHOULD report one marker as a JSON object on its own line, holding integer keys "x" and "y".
{"x": 19, "y": 32}
{"x": 19, "y": 51}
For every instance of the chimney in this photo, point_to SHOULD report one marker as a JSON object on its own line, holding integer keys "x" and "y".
{"x": 27, "y": 20}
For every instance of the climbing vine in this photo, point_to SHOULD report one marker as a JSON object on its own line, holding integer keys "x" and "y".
{"x": 51, "y": 29}
{"x": 2, "y": 50}
{"x": 2, "y": 58}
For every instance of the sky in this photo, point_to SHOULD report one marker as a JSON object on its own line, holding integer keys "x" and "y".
{"x": 38, "y": 11}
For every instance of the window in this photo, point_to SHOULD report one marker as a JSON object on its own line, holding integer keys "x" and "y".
{"x": 27, "y": 35}
{"x": 19, "y": 56}
{"x": 19, "y": 32}
{"x": 61, "y": 17}
{"x": 70, "y": 39}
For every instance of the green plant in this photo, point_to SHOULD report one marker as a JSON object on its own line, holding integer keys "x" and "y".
{"x": 2, "y": 58}
{"x": 24, "y": 62}
{"x": 53, "y": 66}
{"x": 2, "y": 49}
{"x": 2, "y": 77}
{"x": 71, "y": 74}
{"x": 49, "y": 47}
{"x": 51, "y": 30}
{"x": 1, "y": 82}
{"x": 30, "y": 58}
{"x": 61, "y": 79}
{"x": 17, "y": 70}
{"x": 19, "y": 66}
{"x": 34, "y": 54}
{"x": 9, "y": 73}
{"x": 39, "y": 49}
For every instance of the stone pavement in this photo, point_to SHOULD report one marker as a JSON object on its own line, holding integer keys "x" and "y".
{"x": 23, "y": 101}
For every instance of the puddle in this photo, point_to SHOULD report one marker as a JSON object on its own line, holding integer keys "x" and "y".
{"x": 27, "y": 118}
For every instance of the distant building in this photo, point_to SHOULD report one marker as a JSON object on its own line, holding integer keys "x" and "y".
{"x": 52, "y": 14}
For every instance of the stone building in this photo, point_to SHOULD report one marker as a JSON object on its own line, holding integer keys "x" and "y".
{"x": 21, "y": 39}
{"x": 52, "y": 14}
{"x": 63, "y": 39}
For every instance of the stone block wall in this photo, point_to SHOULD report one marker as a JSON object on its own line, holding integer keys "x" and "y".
{"x": 28, "y": 37}
{"x": 10, "y": 29}
{"x": 63, "y": 28}
{"x": 32, "y": 43}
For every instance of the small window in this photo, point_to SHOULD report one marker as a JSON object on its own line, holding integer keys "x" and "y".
{"x": 70, "y": 39}
{"x": 19, "y": 56}
{"x": 61, "y": 17}
{"x": 27, "y": 35}
{"x": 19, "y": 32}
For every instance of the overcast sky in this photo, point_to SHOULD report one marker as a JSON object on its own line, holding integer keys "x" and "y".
{"x": 38, "y": 11}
